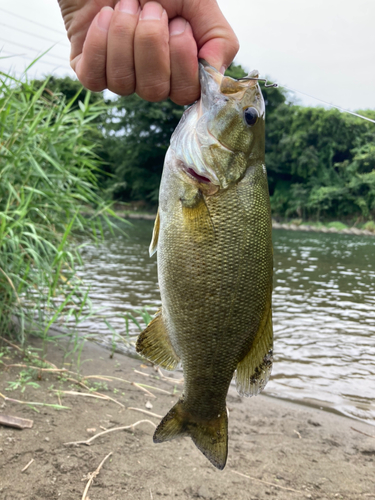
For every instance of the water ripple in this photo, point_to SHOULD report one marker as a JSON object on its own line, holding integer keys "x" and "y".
{"x": 323, "y": 309}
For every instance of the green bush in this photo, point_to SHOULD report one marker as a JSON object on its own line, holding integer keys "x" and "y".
{"x": 337, "y": 225}
{"x": 370, "y": 226}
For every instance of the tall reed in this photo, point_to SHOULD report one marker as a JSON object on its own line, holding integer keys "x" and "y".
{"x": 48, "y": 178}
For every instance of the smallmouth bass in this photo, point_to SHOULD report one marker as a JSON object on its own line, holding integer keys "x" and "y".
{"x": 213, "y": 240}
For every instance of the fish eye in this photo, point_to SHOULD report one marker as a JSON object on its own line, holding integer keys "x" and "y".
{"x": 251, "y": 116}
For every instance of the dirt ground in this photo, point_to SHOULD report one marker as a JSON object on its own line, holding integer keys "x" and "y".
{"x": 277, "y": 449}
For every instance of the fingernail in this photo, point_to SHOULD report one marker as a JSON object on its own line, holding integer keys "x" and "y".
{"x": 129, "y": 6}
{"x": 151, "y": 11}
{"x": 104, "y": 18}
{"x": 223, "y": 69}
{"x": 177, "y": 26}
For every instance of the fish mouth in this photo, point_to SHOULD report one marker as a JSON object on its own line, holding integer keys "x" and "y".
{"x": 200, "y": 178}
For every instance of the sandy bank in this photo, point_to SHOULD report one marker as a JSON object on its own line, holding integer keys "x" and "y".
{"x": 276, "y": 449}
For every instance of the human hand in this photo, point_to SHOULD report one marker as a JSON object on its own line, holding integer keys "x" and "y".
{"x": 147, "y": 47}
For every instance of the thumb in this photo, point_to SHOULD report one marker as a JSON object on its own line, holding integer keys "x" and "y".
{"x": 219, "y": 52}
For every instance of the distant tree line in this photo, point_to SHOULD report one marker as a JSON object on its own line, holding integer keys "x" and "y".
{"x": 321, "y": 163}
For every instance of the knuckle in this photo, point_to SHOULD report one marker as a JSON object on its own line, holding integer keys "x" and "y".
{"x": 153, "y": 92}
{"x": 91, "y": 72}
{"x": 94, "y": 87}
{"x": 119, "y": 30}
{"x": 153, "y": 35}
{"x": 91, "y": 82}
{"x": 185, "y": 95}
{"x": 121, "y": 84}
{"x": 234, "y": 46}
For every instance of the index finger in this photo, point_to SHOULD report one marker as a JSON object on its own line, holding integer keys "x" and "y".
{"x": 216, "y": 40}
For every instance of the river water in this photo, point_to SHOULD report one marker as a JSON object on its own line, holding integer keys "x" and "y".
{"x": 323, "y": 310}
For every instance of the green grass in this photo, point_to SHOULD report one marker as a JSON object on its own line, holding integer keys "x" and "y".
{"x": 337, "y": 225}
{"x": 48, "y": 172}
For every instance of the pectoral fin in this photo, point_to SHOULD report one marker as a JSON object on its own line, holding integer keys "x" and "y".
{"x": 154, "y": 344}
{"x": 155, "y": 236}
{"x": 209, "y": 436}
{"x": 254, "y": 371}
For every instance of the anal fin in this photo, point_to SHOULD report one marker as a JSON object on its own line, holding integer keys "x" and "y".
{"x": 209, "y": 436}
{"x": 154, "y": 344}
{"x": 254, "y": 370}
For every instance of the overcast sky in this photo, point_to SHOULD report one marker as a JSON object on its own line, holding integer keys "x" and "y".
{"x": 325, "y": 48}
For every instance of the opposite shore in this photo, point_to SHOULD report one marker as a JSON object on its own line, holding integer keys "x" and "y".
{"x": 335, "y": 227}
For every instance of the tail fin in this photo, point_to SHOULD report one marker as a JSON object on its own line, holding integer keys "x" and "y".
{"x": 209, "y": 436}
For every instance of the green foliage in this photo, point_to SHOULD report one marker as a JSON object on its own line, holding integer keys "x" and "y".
{"x": 321, "y": 163}
{"x": 138, "y": 134}
{"x": 137, "y": 139}
{"x": 68, "y": 88}
{"x": 24, "y": 379}
{"x": 48, "y": 176}
{"x": 337, "y": 225}
{"x": 370, "y": 226}
{"x": 235, "y": 71}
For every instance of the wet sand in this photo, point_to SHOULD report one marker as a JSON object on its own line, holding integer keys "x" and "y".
{"x": 277, "y": 449}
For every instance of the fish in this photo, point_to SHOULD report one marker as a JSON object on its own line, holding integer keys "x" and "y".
{"x": 213, "y": 240}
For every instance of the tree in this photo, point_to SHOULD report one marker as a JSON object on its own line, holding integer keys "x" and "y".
{"x": 322, "y": 164}
{"x": 138, "y": 134}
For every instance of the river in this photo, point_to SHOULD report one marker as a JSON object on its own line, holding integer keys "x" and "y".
{"x": 323, "y": 310}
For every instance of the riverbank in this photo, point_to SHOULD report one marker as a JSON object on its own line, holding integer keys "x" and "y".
{"x": 333, "y": 227}
{"x": 276, "y": 449}
{"x": 321, "y": 228}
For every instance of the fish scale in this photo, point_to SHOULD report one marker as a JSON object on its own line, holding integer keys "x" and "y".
{"x": 213, "y": 240}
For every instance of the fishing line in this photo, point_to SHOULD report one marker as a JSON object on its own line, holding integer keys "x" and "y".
{"x": 276, "y": 85}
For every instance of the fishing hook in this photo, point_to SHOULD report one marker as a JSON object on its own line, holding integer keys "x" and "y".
{"x": 274, "y": 85}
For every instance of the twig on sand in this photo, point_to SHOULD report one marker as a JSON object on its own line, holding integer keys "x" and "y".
{"x": 142, "y": 373}
{"x": 139, "y": 386}
{"x": 101, "y": 377}
{"x": 109, "y": 378}
{"x": 357, "y": 430}
{"x": 146, "y": 412}
{"x": 28, "y": 465}
{"x": 298, "y": 434}
{"x": 156, "y": 389}
{"x": 92, "y": 475}
{"x": 96, "y": 395}
{"x": 89, "y": 441}
{"x": 162, "y": 376}
{"x": 34, "y": 403}
{"x": 38, "y": 368}
{"x": 105, "y": 396}
{"x": 170, "y": 379}
{"x": 84, "y": 394}
{"x": 266, "y": 482}
{"x": 15, "y": 422}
